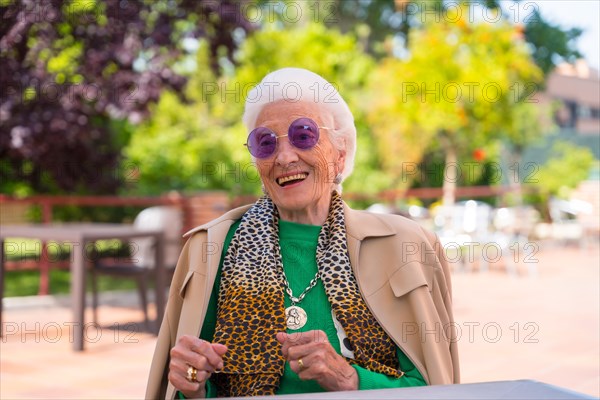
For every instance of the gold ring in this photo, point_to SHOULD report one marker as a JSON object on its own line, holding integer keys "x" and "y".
{"x": 300, "y": 364}
{"x": 191, "y": 374}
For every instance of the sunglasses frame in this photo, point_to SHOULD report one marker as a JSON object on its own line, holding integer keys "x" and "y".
{"x": 280, "y": 136}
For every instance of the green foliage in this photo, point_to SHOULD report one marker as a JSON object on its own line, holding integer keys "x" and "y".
{"x": 368, "y": 177}
{"x": 191, "y": 146}
{"x": 195, "y": 146}
{"x": 527, "y": 122}
{"x": 337, "y": 57}
{"x": 389, "y": 24}
{"x": 472, "y": 171}
{"x": 327, "y": 52}
{"x": 567, "y": 167}
{"x": 140, "y": 49}
{"x": 550, "y": 43}
{"x": 70, "y": 68}
{"x": 183, "y": 148}
{"x": 27, "y": 283}
{"x": 459, "y": 88}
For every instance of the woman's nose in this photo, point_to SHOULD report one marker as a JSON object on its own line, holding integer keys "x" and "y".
{"x": 285, "y": 153}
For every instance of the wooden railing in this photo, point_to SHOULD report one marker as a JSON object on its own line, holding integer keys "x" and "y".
{"x": 218, "y": 202}
{"x": 432, "y": 193}
{"x": 197, "y": 208}
{"x": 47, "y": 202}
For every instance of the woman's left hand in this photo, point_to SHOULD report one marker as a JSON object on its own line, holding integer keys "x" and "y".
{"x": 311, "y": 356}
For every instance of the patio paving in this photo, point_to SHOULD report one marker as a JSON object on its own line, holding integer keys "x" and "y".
{"x": 544, "y": 328}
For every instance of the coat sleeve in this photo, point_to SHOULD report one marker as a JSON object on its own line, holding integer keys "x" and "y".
{"x": 157, "y": 381}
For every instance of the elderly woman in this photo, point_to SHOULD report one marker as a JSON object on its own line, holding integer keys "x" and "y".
{"x": 297, "y": 292}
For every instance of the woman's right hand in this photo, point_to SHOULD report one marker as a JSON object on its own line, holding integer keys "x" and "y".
{"x": 190, "y": 351}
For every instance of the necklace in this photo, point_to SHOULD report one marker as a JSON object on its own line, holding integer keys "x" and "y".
{"x": 295, "y": 316}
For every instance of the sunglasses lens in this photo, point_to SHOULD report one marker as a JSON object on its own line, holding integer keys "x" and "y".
{"x": 303, "y": 133}
{"x": 261, "y": 142}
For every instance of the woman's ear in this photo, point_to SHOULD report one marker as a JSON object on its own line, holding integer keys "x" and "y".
{"x": 341, "y": 162}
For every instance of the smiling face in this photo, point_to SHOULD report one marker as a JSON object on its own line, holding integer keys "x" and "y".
{"x": 299, "y": 181}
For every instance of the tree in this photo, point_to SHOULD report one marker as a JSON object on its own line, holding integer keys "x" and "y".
{"x": 199, "y": 145}
{"x": 459, "y": 87}
{"x": 390, "y": 22}
{"x": 70, "y": 71}
{"x": 550, "y": 43}
{"x": 528, "y": 122}
{"x": 191, "y": 145}
{"x": 339, "y": 58}
{"x": 567, "y": 166}
{"x": 75, "y": 75}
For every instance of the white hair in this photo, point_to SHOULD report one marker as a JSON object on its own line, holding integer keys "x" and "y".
{"x": 300, "y": 85}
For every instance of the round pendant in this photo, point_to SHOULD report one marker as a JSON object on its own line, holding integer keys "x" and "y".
{"x": 295, "y": 317}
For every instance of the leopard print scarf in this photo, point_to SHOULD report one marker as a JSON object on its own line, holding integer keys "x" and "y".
{"x": 251, "y": 303}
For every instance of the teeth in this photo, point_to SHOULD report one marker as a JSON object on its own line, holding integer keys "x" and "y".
{"x": 285, "y": 179}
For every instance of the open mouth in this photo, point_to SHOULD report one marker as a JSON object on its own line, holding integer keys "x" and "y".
{"x": 291, "y": 179}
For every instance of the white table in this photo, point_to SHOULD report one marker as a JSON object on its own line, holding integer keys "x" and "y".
{"x": 511, "y": 390}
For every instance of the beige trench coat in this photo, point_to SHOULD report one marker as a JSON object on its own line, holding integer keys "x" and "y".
{"x": 401, "y": 273}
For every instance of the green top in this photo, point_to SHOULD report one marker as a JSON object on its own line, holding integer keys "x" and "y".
{"x": 298, "y": 243}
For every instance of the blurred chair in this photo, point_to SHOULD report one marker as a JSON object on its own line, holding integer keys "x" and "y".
{"x": 566, "y": 226}
{"x": 513, "y": 228}
{"x": 416, "y": 213}
{"x": 516, "y": 222}
{"x": 466, "y": 221}
{"x": 460, "y": 226}
{"x": 463, "y": 228}
{"x": 141, "y": 263}
{"x": 379, "y": 208}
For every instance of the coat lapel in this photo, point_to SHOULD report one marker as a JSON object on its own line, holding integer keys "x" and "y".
{"x": 360, "y": 225}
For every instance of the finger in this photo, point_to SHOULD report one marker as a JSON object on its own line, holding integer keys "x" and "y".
{"x": 313, "y": 339}
{"x": 201, "y": 375}
{"x": 287, "y": 340}
{"x": 189, "y": 340}
{"x": 281, "y": 337}
{"x": 181, "y": 367}
{"x": 178, "y": 373}
{"x": 301, "y": 339}
{"x": 312, "y": 368}
{"x": 320, "y": 350}
{"x": 220, "y": 349}
{"x": 296, "y": 367}
{"x": 192, "y": 351}
{"x": 181, "y": 383}
{"x": 182, "y": 357}
{"x": 211, "y": 352}
{"x": 298, "y": 338}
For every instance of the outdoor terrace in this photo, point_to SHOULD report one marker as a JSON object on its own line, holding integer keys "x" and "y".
{"x": 544, "y": 328}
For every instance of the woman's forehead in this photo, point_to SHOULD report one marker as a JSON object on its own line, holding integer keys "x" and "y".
{"x": 286, "y": 111}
